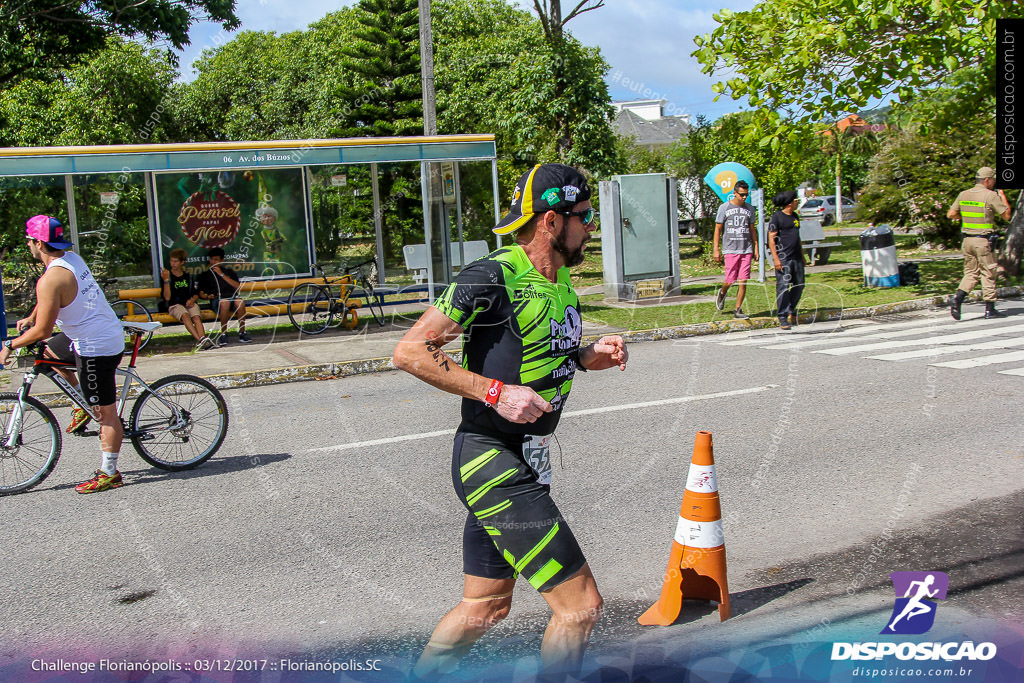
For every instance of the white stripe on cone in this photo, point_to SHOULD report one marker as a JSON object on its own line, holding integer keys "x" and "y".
{"x": 701, "y": 479}
{"x": 699, "y": 534}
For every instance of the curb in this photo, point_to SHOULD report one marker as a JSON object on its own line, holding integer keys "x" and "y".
{"x": 324, "y": 371}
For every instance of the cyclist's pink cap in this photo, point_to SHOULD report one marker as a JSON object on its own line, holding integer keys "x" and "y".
{"x": 46, "y": 229}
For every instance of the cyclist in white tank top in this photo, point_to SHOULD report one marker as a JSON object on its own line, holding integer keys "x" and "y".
{"x": 88, "y": 320}
{"x": 91, "y": 337}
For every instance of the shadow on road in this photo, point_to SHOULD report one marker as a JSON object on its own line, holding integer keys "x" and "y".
{"x": 212, "y": 467}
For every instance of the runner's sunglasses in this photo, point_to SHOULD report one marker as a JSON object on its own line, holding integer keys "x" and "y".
{"x": 588, "y": 215}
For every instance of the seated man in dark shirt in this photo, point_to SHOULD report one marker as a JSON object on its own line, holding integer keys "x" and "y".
{"x": 787, "y": 256}
{"x": 179, "y": 292}
{"x": 220, "y": 286}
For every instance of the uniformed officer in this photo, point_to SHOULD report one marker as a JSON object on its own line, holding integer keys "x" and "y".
{"x": 976, "y": 208}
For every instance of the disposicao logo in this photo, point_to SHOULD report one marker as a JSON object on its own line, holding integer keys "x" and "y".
{"x": 914, "y": 614}
{"x": 914, "y": 611}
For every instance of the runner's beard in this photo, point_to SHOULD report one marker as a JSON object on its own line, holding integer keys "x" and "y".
{"x": 571, "y": 258}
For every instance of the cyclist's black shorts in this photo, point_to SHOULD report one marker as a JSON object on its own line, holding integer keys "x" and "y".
{"x": 514, "y": 527}
{"x": 95, "y": 373}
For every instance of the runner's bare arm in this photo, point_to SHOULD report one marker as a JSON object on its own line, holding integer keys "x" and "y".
{"x": 44, "y": 315}
{"x": 26, "y": 322}
{"x": 606, "y": 352}
{"x": 420, "y": 353}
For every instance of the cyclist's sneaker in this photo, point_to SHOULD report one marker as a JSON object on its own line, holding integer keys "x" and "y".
{"x": 100, "y": 482}
{"x": 720, "y": 299}
{"x": 204, "y": 344}
{"x": 222, "y": 340}
{"x": 79, "y": 418}
{"x": 740, "y": 315}
{"x": 243, "y": 338}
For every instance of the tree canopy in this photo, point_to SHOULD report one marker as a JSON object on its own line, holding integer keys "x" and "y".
{"x": 823, "y": 59}
{"x": 42, "y": 35}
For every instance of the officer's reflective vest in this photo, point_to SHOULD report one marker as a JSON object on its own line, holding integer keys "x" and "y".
{"x": 972, "y": 216}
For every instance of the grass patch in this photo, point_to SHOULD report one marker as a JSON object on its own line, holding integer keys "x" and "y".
{"x": 830, "y": 291}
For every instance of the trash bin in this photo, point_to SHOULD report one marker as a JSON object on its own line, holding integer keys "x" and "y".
{"x": 878, "y": 257}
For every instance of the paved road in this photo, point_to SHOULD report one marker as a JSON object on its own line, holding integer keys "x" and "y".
{"x": 327, "y": 523}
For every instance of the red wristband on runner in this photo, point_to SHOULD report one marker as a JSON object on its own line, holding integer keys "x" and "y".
{"x": 493, "y": 392}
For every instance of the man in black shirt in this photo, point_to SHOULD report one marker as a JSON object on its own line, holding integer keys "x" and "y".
{"x": 787, "y": 256}
{"x": 220, "y": 285}
{"x": 179, "y": 292}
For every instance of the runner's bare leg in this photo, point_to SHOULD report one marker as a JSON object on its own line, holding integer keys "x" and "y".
{"x": 485, "y": 602}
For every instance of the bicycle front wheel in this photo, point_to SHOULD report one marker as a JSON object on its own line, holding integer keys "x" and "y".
{"x": 179, "y": 423}
{"x": 37, "y": 447}
{"x": 309, "y": 308}
{"x": 132, "y": 311}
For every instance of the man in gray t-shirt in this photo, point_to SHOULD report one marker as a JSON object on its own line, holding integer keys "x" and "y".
{"x": 737, "y": 219}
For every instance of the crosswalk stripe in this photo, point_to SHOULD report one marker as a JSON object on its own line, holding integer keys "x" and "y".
{"x": 935, "y": 326}
{"x": 950, "y": 348}
{"x": 1019, "y": 372}
{"x": 774, "y": 333}
{"x": 942, "y": 339}
{"x": 965, "y": 363}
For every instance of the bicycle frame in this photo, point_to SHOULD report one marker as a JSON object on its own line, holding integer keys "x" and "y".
{"x": 48, "y": 367}
{"x": 346, "y": 284}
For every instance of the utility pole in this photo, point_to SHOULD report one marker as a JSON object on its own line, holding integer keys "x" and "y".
{"x": 427, "y": 70}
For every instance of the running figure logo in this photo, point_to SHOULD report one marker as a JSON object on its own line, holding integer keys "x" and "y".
{"x": 914, "y": 611}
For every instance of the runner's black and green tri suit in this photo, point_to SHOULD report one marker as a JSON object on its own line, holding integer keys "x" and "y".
{"x": 521, "y": 329}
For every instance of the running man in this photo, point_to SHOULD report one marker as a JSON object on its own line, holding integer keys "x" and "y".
{"x": 91, "y": 336}
{"x": 914, "y": 606}
{"x": 522, "y": 326}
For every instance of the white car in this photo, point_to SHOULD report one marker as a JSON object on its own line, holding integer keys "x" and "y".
{"x": 824, "y": 209}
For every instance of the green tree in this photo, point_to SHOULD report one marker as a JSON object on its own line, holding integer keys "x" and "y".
{"x": 43, "y": 35}
{"x": 254, "y": 87}
{"x": 111, "y": 99}
{"x": 821, "y": 60}
{"x": 385, "y": 99}
{"x": 496, "y": 73}
{"x": 942, "y": 139}
{"x": 551, "y": 19}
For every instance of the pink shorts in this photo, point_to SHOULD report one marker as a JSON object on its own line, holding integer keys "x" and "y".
{"x": 737, "y": 267}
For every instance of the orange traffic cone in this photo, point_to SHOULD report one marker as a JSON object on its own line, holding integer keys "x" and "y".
{"x": 696, "y": 564}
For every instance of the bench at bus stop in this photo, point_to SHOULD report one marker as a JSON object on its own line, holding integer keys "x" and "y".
{"x": 263, "y": 298}
{"x": 416, "y": 257}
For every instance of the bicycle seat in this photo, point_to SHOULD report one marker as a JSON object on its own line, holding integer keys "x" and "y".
{"x": 141, "y": 327}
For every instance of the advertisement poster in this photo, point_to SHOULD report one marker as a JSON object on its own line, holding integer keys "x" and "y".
{"x": 258, "y": 217}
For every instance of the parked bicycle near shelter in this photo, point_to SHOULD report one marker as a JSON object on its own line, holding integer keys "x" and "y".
{"x": 312, "y": 306}
{"x": 176, "y": 423}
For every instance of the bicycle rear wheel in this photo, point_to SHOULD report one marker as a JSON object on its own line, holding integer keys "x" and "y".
{"x": 132, "y": 311}
{"x": 309, "y": 308}
{"x": 179, "y": 423}
{"x": 35, "y": 454}
{"x": 373, "y": 303}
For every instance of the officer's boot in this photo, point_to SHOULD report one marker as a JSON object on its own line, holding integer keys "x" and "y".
{"x": 957, "y": 301}
{"x": 991, "y": 312}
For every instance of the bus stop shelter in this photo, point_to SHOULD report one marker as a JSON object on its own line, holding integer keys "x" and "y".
{"x": 255, "y": 199}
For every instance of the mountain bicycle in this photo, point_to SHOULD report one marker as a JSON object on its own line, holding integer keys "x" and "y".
{"x": 313, "y": 306}
{"x": 176, "y": 423}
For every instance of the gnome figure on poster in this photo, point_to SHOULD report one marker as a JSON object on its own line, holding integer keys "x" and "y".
{"x": 272, "y": 238}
